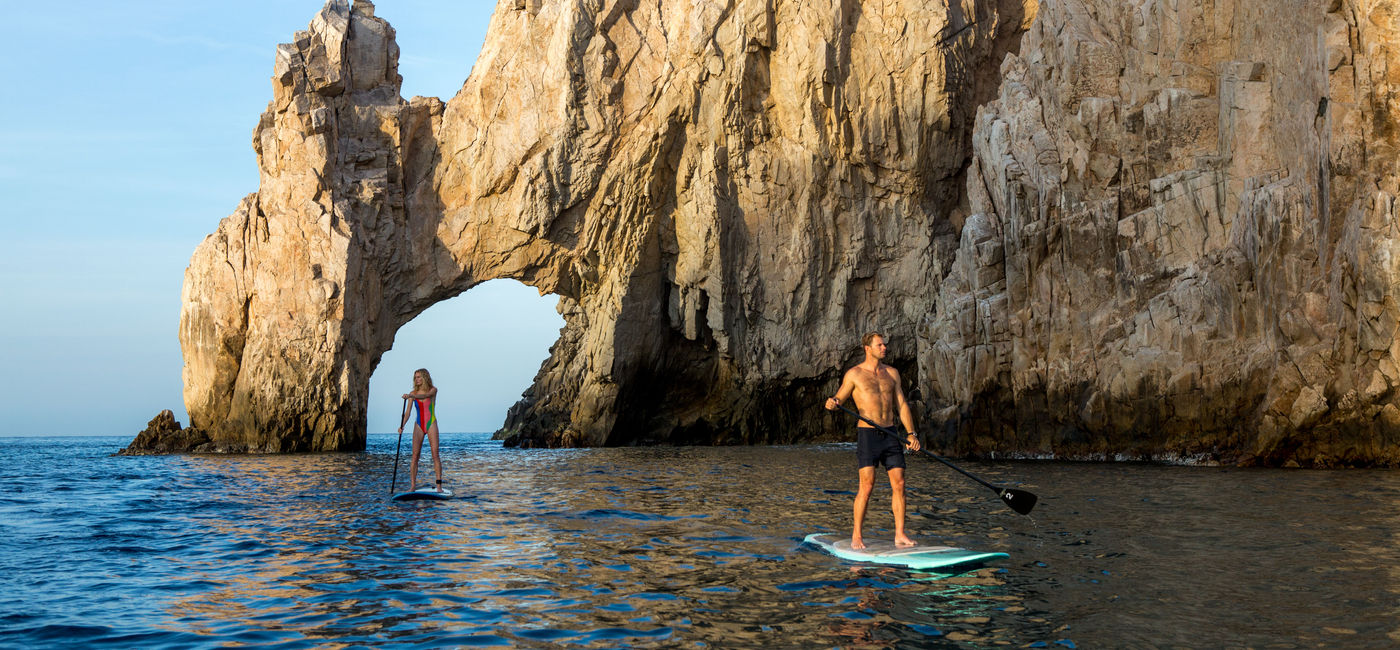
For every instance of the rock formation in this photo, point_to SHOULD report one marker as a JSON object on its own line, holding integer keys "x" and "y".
{"x": 163, "y": 435}
{"x": 723, "y": 197}
{"x": 1183, "y": 239}
{"x": 285, "y": 309}
{"x": 1089, "y": 228}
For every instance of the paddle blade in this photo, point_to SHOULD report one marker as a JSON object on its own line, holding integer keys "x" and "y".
{"x": 1019, "y": 500}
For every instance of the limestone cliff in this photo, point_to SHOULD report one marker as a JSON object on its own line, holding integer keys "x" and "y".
{"x": 1088, "y": 227}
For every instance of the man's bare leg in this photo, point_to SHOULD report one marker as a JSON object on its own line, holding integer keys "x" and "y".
{"x": 867, "y": 485}
{"x": 897, "y": 505}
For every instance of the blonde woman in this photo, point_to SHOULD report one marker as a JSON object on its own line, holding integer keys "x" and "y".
{"x": 424, "y": 398}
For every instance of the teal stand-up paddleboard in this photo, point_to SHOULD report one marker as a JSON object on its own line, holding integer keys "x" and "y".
{"x": 914, "y": 557}
{"x": 425, "y": 492}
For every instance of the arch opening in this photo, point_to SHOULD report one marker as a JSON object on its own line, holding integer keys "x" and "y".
{"x": 483, "y": 348}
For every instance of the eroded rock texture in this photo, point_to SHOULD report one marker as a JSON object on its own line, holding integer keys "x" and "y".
{"x": 1089, "y": 227}
{"x": 1183, "y": 240}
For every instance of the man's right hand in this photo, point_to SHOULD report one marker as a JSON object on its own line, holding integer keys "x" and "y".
{"x": 831, "y": 403}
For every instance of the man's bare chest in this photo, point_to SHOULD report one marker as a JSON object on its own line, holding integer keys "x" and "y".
{"x": 879, "y": 381}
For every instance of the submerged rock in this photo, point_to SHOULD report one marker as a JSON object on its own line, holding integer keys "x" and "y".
{"x": 164, "y": 435}
{"x": 1088, "y": 228}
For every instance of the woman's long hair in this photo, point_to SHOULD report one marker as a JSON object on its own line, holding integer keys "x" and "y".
{"x": 427, "y": 379}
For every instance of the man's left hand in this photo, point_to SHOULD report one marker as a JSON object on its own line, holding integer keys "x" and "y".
{"x": 913, "y": 443}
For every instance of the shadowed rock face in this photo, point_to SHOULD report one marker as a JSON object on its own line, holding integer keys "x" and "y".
{"x": 1183, "y": 240}
{"x": 1087, "y": 227}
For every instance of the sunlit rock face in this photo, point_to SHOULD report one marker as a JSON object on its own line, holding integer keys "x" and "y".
{"x": 1088, "y": 228}
{"x": 1183, "y": 239}
{"x": 288, "y": 305}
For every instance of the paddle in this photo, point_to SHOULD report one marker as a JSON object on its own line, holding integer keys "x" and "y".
{"x": 1019, "y": 500}
{"x": 397, "y": 448}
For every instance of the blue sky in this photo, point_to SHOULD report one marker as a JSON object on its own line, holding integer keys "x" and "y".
{"x": 125, "y": 136}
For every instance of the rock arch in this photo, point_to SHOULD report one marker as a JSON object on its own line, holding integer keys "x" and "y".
{"x": 722, "y": 195}
{"x": 1159, "y": 232}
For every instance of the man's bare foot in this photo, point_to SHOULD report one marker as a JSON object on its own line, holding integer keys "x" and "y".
{"x": 903, "y": 541}
{"x": 857, "y": 544}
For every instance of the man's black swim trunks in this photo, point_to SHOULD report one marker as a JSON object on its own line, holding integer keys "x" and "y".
{"x": 874, "y": 447}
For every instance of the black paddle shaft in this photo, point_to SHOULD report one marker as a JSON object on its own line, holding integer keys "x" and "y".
{"x": 1019, "y": 500}
{"x": 398, "y": 447}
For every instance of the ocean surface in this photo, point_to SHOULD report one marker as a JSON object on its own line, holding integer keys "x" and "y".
{"x": 677, "y": 547}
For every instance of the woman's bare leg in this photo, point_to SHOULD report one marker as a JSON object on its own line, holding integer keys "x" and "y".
{"x": 437, "y": 458}
{"x": 413, "y": 460}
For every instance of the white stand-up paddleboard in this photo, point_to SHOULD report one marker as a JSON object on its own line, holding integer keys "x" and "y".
{"x": 915, "y": 557}
{"x": 425, "y": 492}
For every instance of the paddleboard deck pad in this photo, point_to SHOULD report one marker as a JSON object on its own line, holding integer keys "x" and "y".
{"x": 425, "y": 492}
{"x": 914, "y": 557}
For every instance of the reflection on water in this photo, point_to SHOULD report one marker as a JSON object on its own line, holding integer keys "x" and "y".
{"x": 676, "y": 547}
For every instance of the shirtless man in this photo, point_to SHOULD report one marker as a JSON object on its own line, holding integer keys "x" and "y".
{"x": 875, "y": 387}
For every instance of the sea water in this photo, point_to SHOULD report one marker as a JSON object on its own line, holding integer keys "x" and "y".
{"x": 676, "y": 547}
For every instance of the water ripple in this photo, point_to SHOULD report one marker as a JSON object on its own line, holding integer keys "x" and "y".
{"x": 673, "y": 547}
